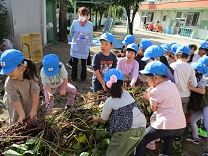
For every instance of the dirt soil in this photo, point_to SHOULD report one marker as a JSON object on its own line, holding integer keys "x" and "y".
{"x": 62, "y": 50}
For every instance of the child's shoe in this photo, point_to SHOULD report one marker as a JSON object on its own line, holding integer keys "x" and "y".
{"x": 151, "y": 145}
{"x": 194, "y": 140}
{"x": 202, "y": 132}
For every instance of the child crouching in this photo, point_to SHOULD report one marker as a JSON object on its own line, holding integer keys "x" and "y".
{"x": 54, "y": 77}
{"x": 127, "y": 121}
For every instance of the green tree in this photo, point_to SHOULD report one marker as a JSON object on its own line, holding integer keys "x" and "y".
{"x": 120, "y": 11}
{"x": 3, "y": 23}
{"x": 128, "y": 5}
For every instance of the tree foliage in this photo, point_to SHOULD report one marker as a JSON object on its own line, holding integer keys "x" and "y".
{"x": 128, "y": 5}
{"x": 3, "y": 23}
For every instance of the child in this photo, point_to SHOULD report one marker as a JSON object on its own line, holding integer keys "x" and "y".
{"x": 144, "y": 44}
{"x": 129, "y": 39}
{"x": 129, "y": 66}
{"x": 152, "y": 53}
{"x": 173, "y": 51}
{"x": 169, "y": 118}
{"x": 103, "y": 61}
{"x": 81, "y": 32}
{"x": 54, "y": 78}
{"x": 166, "y": 48}
{"x": 193, "y": 57}
{"x": 183, "y": 73}
{"x": 127, "y": 122}
{"x": 203, "y": 49}
{"x": 21, "y": 86}
{"x": 200, "y": 69}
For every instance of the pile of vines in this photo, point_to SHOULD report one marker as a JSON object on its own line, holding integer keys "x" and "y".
{"x": 66, "y": 131}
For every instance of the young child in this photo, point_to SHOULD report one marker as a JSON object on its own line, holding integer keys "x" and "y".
{"x": 203, "y": 49}
{"x": 152, "y": 53}
{"x": 166, "y": 48}
{"x": 193, "y": 57}
{"x": 144, "y": 44}
{"x": 21, "y": 86}
{"x": 129, "y": 39}
{"x": 81, "y": 32}
{"x": 169, "y": 117}
{"x": 103, "y": 61}
{"x": 129, "y": 66}
{"x": 200, "y": 70}
{"x": 127, "y": 122}
{"x": 183, "y": 73}
{"x": 172, "y": 54}
{"x": 55, "y": 78}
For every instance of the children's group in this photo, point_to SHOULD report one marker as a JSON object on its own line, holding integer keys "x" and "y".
{"x": 176, "y": 75}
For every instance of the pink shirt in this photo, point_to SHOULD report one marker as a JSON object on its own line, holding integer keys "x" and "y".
{"x": 169, "y": 113}
{"x": 130, "y": 71}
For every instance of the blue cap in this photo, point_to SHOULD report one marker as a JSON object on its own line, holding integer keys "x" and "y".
{"x": 144, "y": 44}
{"x": 165, "y": 47}
{"x": 204, "y": 45}
{"x": 111, "y": 72}
{"x": 204, "y": 60}
{"x": 107, "y": 37}
{"x": 183, "y": 49}
{"x": 133, "y": 46}
{"x": 174, "y": 47}
{"x": 50, "y": 64}
{"x": 10, "y": 59}
{"x": 193, "y": 45}
{"x": 153, "y": 52}
{"x": 129, "y": 39}
{"x": 155, "y": 67}
{"x": 172, "y": 44}
{"x": 200, "y": 67}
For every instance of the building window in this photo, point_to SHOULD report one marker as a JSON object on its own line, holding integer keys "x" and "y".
{"x": 150, "y": 16}
{"x": 192, "y": 19}
{"x": 164, "y": 18}
{"x": 179, "y": 14}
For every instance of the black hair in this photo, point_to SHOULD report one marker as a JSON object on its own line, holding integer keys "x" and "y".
{"x": 198, "y": 75}
{"x": 182, "y": 55}
{"x": 116, "y": 89}
{"x": 30, "y": 72}
{"x": 152, "y": 75}
{"x": 193, "y": 46}
{"x": 164, "y": 60}
{"x": 129, "y": 49}
{"x": 105, "y": 40}
{"x": 191, "y": 58}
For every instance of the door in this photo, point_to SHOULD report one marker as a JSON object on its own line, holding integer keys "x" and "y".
{"x": 26, "y": 18}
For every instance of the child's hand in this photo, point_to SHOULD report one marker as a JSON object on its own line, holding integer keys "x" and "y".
{"x": 50, "y": 96}
{"x": 101, "y": 105}
{"x": 63, "y": 92}
{"x": 104, "y": 88}
{"x": 32, "y": 114}
{"x": 93, "y": 118}
{"x": 146, "y": 95}
{"x": 21, "y": 118}
{"x": 132, "y": 85}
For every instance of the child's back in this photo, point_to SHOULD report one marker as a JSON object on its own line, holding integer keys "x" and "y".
{"x": 183, "y": 72}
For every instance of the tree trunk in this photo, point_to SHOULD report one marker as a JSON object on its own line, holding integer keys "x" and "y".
{"x": 100, "y": 20}
{"x": 131, "y": 19}
{"x": 63, "y": 21}
{"x": 96, "y": 14}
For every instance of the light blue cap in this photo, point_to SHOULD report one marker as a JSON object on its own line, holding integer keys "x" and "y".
{"x": 111, "y": 72}
{"x": 165, "y": 47}
{"x": 200, "y": 67}
{"x": 204, "y": 60}
{"x": 144, "y": 44}
{"x": 129, "y": 39}
{"x": 133, "y": 46}
{"x": 183, "y": 49}
{"x": 107, "y": 37}
{"x": 10, "y": 59}
{"x": 174, "y": 47}
{"x": 153, "y": 52}
{"x": 156, "y": 68}
{"x": 50, "y": 64}
{"x": 204, "y": 45}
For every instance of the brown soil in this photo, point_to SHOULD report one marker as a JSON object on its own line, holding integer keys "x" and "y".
{"x": 62, "y": 50}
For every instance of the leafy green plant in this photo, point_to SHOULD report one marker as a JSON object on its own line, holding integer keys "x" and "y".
{"x": 3, "y": 23}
